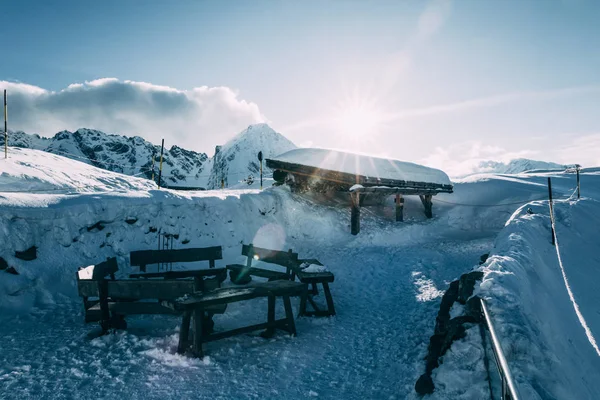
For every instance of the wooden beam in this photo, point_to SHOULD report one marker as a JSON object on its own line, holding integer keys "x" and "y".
{"x": 351, "y": 179}
{"x": 399, "y": 207}
{"x": 139, "y": 289}
{"x": 354, "y": 213}
{"x": 427, "y": 203}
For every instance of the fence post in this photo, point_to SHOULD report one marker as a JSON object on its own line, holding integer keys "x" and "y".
{"x": 577, "y": 166}
{"x": 5, "y": 126}
{"x": 551, "y": 210}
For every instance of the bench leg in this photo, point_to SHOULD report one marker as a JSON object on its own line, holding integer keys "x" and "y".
{"x": 184, "y": 332}
{"x": 315, "y": 290}
{"x": 198, "y": 333}
{"x": 303, "y": 298}
{"x": 287, "y": 304}
{"x": 270, "y": 331}
{"x": 105, "y": 322}
{"x": 329, "y": 299}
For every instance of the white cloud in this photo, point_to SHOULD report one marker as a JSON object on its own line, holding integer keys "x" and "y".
{"x": 196, "y": 119}
{"x": 461, "y": 159}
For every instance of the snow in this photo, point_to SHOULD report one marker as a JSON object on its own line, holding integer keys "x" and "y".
{"x": 238, "y": 158}
{"x": 388, "y": 283}
{"x": 357, "y": 164}
{"x": 313, "y": 268}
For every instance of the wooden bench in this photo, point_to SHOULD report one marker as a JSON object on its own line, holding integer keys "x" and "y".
{"x": 195, "y": 305}
{"x": 314, "y": 279}
{"x": 118, "y": 298}
{"x": 241, "y": 274}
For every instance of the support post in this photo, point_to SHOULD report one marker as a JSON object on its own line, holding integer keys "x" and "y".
{"x": 153, "y": 161}
{"x": 551, "y": 205}
{"x": 578, "y": 187}
{"x": 427, "y": 203}
{"x": 5, "y": 126}
{"x": 354, "y": 213}
{"x": 261, "y": 174}
{"x": 399, "y": 208}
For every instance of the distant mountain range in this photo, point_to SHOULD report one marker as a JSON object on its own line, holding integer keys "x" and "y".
{"x": 518, "y": 166}
{"x": 233, "y": 162}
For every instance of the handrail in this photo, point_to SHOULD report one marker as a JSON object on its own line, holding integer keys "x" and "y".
{"x": 509, "y": 391}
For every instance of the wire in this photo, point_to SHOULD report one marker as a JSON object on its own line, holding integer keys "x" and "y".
{"x": 489, "y": 205}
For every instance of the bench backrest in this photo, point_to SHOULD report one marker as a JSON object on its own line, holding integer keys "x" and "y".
{"x": 142, "y": 258}
{"x": 286, "y": 259}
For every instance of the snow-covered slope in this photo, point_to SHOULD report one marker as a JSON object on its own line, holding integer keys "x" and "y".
{"x": 357, "y": 164}
{"x": 35, "y": 171}
{"x": 388, "y": 281}
{"x": 238, "y": 158}
{"x": 127, "y": 155}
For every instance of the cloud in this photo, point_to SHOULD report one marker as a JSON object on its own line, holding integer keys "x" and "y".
{"x": 581, "y": 149}
{"x": 496, "y": 100}
{"x": 433, "y": 18}
{"x": 462, "y": 159}
{"x": 197, "y": 119}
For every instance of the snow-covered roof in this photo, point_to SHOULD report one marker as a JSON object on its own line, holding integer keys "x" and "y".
{"x": 367, "y": 166}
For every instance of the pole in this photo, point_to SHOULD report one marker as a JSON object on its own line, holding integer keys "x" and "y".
{"x": 261, "y": 173}
{"x": 162, "y": 147}
{"x": 578, "y": 188}
{"x": 5, "y": 127}
{"x": 153, "y": 160}
{"x": 551, "y": 209}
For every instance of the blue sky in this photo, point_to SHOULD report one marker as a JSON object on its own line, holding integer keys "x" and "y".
{"x": 429, "y": 81}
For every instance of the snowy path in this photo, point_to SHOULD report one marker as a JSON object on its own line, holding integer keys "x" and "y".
{"x": 386, "y": 300}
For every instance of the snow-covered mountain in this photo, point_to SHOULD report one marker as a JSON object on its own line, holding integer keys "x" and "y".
{"x": 127, "y": 155}
{"x": 518, "y": 166}
{"x": 235, "y": 161}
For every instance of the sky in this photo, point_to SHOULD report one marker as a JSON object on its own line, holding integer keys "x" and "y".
{"x": 447, "y": 83}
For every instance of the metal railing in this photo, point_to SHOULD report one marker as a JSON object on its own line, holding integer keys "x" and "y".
{"x": 509, "y": 391}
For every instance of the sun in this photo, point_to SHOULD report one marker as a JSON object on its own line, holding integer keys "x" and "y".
{"x": 357, "y": 122}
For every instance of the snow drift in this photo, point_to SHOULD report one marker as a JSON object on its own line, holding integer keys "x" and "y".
{"x": 545, "y": 311}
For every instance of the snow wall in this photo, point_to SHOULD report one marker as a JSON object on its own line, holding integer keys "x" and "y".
{"x": 550, "y": 347}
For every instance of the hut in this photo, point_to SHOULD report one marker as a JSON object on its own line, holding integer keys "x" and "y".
{"x": 358, "y": 176}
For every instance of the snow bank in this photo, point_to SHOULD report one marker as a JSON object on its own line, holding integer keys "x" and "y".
{"x": 364, "y": 165}
{"x": 549, "y": 333}
{"x": 37, "y": 171}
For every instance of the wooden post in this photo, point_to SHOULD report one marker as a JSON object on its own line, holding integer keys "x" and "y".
{"x": 354, "y": 212}
{"x": 427, "y": 203}
{"x": 399, "y": 208}
{"x": 551, "y": 205}
{"x": 222, "y": 183}
{"x": 5, "y": 127}
{"x": 162, "y": 147}
{"x": 578, "y": 191}
{"x": 153, "y": 161}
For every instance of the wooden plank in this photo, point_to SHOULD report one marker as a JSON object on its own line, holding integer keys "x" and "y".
{"x": 184, "y": 332}
{"x": 280, "y": 323}
{"x": 254, "y": 271}
{"x": 396, "y": 190}
{"x": 354, "y": 213}
{"x": 316, "y": 277}
{"x": 149, "y": 257}
{"x": 351, "y": 179}
{"x": 232, "y": 295}
{"x": 139, "y": 289}
{"x": 328, "y": 298}
{"x": 198, "y": 331}
{"x": 279, "y": 257}
{"x": 182, "y": 274}
{"x": 136, "y": 308}
{"x": 399, "y": 208}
